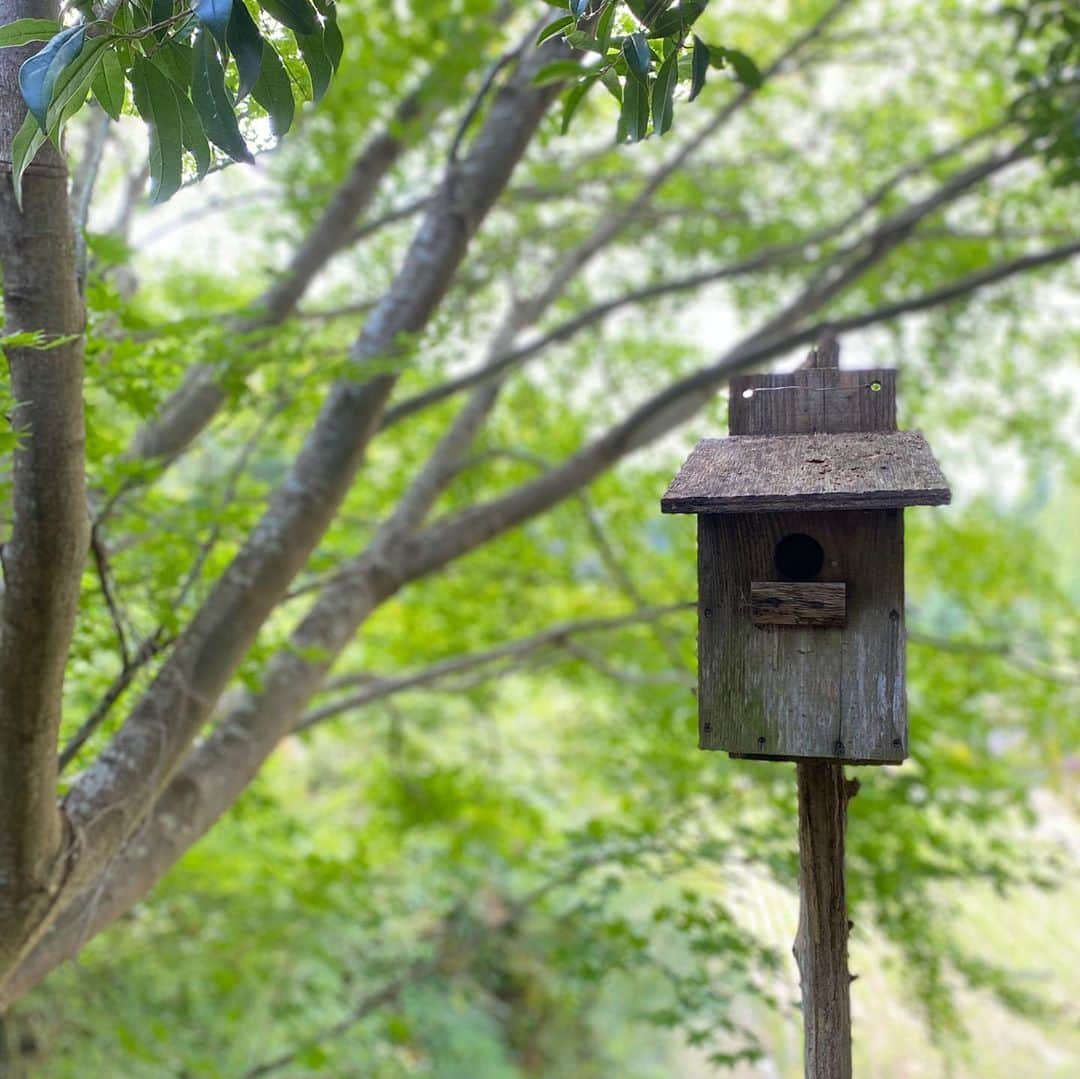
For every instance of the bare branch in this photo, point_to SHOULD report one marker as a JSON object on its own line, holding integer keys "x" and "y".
{"x": 84, "y": 182}
{"x": 101, "y": 564}
{"x": 151, "y": 647}
{"x": 767, "y": 259}
{"x": 374, "y": 688}
{"x": 386, "y": 994}
{"x": 1006, "y": 651}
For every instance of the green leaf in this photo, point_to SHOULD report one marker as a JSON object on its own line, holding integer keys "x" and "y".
{"x": 603, "y": 27}
{"x": 23, "y": 31}
{"x": 612, "y": 84}
{"x": 37, "y": 340}
{"x": 37, "y": 77}
{"x": 557, "y": 71}
{"x": 211, "y": 100}
{"x": 638, "y": 55}
{"x": 663, "y": 93}
{"x": 679, "y": 20}
{"x": 746, "y": 71}
{"x": 193, "y": 136}
{"x": 556, "y": 27}
{"x": 73, "y": 85}
{"x": 215, "y": 15}
{"x": 579, "y": 39}
{"x": 333, "y": 42}
{"x": 575, "y": 97}
{"x": 246, "y": 44}
{"x": 313, "y": 50}
{"x": 110, "y": 86}
{"x": 24, "y": 147}
{"x": 297, "y": 15}
{"x": 273, "y": 91}
{"x": 634, "y": 116}
{"x": 156, "y": 99}
{"x": 175, "y": 59}
{"x": 699, "y": 67}
{"x": 67, "y": 95}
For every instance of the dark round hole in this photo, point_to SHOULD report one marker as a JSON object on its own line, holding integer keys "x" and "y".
{"x": 799, "y": 557}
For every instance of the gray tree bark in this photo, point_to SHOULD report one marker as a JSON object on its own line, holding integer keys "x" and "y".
{"x": 109, "y": 799}
{"x": 44, "y": 554}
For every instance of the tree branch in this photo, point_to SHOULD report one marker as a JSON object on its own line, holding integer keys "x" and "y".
{"x": 766, "y": 259}
{"x": 454, "y": 536}
{"x": 110, "y": 797}
{"x": 1006, "y": 651}
{"x": 375, "y": 688}
{"x": 187, "y": 411}
{"x": 101, "y": 564}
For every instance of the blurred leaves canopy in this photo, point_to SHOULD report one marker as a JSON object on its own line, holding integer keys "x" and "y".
{"x": 491, "y": 848}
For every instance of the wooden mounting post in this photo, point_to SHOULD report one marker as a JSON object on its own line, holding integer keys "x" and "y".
{"x": 801, "y": 619}
{"x": 821, "y": 943}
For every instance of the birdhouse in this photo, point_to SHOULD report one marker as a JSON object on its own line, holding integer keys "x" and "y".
{"x": 801, "y": 566}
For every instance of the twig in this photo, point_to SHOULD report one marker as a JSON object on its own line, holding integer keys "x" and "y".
{"x": 227, "y": 497}
{"x": 101, "y": 564}
{"x": 380, "y": 997}
{"x": 375, "y": 688}
{"x": 82, "y": 186}
{"x": 151, "y": 647}
{"x": 1003, "y": 650}
{"x": 477, "y": 101}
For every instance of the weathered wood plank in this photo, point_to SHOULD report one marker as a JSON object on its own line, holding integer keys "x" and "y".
{"x": 822, "y": 400}
{"x": 778, "y": 692}
{"x": 821, "y": 944}
{"x": 772, "y": 474}
{"x": 797, "y": 603}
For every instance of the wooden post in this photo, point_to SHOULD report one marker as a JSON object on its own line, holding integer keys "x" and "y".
{"x": 821, "y": 943}
{"x": 801, "y": 619}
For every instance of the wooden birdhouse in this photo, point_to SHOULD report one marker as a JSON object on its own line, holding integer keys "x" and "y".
{"x": 801, "y": 566}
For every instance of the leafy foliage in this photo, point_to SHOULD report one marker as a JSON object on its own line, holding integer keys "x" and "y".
{"x": 533, "y": 865}
{"x": 190, "y": 67}
{"x": 640, "y": 50}
{"x": 1047, "y": 46}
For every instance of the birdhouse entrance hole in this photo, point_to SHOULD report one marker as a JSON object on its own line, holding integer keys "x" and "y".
{"x": 799, "y": 557}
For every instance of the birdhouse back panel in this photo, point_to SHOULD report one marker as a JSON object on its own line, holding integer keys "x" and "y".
{"x": 801, "y": 635}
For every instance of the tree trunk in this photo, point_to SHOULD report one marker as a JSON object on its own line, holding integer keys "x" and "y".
{"x": 44, "y": 553}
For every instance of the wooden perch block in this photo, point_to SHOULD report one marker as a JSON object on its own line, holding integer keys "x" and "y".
{"x": 798, "y": 603}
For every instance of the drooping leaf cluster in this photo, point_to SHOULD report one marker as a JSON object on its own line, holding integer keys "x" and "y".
{"x": 1048, "y": 68}
{"x": 188, "y": 65}
{"x": 641, "y": 51}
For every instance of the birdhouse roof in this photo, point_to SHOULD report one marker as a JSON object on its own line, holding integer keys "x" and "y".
{"x": 774, "y": 473}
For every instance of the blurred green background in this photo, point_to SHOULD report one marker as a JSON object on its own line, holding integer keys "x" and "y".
{"x": 524, "y": 867}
